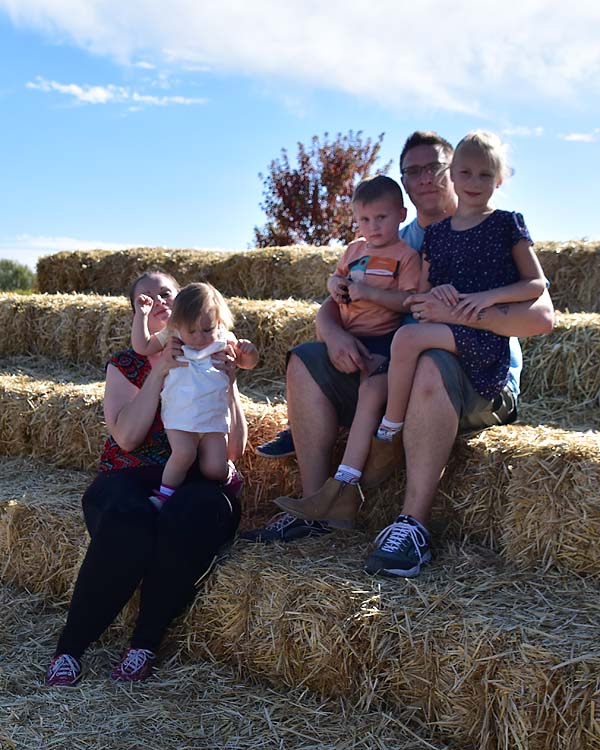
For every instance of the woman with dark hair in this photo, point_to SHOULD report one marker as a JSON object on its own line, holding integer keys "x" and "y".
{"x": 165, "y": 552}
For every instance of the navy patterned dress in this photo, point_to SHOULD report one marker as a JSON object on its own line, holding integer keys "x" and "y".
{"x": 477, "y": 260}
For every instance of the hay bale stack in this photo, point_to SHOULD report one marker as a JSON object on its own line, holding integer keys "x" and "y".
{"x": 55, "y": 422}
{"x": 111, "y": 272}
{"x": 553, "y": 502}
{"x": 88, "y": 329}
{"x": 305, "y": 614}
{"x": 62, "y": 423}
{"x": 530, "y": 493}
{"x": 42, "y": 533}
{"x": 280, "y": 272}
{"x": 572, "y": 268}
{"x": 264, "y": 273}
{"x": 565, "y": 362}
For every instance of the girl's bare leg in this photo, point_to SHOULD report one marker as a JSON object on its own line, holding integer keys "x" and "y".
{"x": 184, "y": 449}
{"x": 408, "y": 344}
{"x": 212, "y": 457}
{"x": 369, "y": 408}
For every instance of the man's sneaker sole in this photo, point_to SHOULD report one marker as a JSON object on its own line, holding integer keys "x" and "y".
{"x": 377, "y": 566}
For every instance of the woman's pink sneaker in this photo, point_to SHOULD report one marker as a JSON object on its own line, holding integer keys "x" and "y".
{"x": 64, "y": 671}
{"x": 135, "y": 666}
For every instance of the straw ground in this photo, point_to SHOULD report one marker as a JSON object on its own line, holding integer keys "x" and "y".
{"x": 188, "y": 705}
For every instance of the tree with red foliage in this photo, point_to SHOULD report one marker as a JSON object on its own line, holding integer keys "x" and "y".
{"x": 310, "y": 203}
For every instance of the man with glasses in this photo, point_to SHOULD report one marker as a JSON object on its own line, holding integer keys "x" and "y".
{"x": 440, "y": 404}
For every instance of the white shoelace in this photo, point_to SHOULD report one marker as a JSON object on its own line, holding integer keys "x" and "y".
{"x": 280, "y": 521}
{"x": 65, "y": 666}
{"x": 394, "y": 536}
{"x": 136, "y": 658}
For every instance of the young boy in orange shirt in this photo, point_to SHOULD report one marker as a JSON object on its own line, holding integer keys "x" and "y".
{"x": 373, "y": 279}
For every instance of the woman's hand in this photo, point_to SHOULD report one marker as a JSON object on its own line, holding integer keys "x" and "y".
{"x": 167, "y": 359}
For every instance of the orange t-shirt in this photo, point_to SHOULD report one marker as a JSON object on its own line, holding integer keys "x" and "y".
{"x": 396, "y": 268}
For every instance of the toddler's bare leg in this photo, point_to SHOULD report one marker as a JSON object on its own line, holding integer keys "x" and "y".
{"x": 408, "y": 344}
{"x": 369, "y": 408}
{"x": 212, "y": 457}
{"x": 184, "y": 449}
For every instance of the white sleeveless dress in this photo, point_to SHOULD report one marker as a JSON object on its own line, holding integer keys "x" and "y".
{"x": 196, "y": 398}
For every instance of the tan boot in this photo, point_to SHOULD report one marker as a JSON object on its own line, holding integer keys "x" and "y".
{"x": 383, "y": 460}
{"x": 336, "y": 502}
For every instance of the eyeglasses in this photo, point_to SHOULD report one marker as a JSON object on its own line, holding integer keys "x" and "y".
{"x": 434, "y": 169}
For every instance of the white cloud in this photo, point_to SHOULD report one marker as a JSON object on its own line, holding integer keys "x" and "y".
{"x": 108, "y": 94}
{"x": 523, "y": 131}
{"x": 582, "y": 137}
{"x": 435, "y": 53}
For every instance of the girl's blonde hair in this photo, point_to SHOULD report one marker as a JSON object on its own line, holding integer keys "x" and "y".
{"x": 200, "y": 298}
{"x": 491, "y": 147}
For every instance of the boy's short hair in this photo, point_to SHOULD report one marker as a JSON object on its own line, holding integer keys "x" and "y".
{"x": 199, "y": 298}
{"x": 426, "y": 138}
{"x": 143, "y": 277}
{"x": 373, "y": 188}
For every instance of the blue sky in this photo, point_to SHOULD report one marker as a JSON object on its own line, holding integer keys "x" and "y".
{"x": 147, "y": 123}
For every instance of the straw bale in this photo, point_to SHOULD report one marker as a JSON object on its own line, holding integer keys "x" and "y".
{"x": 62, "y": 424}
{"x": 304, "y": 613}
{"x": 41, "y": 529}
{"x": 553, "y": 502}
{"x": 565, "y": 361}
{"x": 88, "y": 329}
{"x": 59, "y": 422}
{"x": 263, "y": 273}
{"x": 186, "y": 705}
{"x": 531, "y": 493}
{"x": 572, "y": 268}
{"x": 111, "y": 272}
{"x": 75, "y": 328}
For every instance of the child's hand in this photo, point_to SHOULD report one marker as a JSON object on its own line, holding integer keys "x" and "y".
{"x": 446, "y": 293}
{"x": 246, "y": 354}
{"x": 471, "y": 305}
{"x": 143, "y": 304}
{"x": 337, "y": 286}
{"x": 358, "y": 290}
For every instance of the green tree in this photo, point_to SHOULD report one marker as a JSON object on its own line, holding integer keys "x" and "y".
{"x": 310, "y": 203}
{"x": 15, "y": 276}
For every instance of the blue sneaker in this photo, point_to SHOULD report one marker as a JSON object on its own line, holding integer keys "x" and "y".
{"x": 284, "y": 527}
{"x": 402, "y": 548}
{"x": 281, "y": 446}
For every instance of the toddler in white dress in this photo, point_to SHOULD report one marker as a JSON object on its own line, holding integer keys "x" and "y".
{"x": 195, "y": 399}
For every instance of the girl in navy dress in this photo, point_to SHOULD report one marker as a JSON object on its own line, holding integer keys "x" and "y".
{"x": 479, "y": 257}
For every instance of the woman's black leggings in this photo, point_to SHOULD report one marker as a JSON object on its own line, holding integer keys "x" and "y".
{"x": 167, "y": 551}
